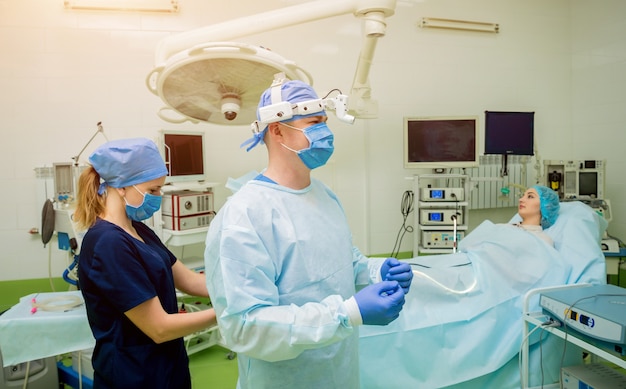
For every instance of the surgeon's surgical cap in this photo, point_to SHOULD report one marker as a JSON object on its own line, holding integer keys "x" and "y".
{"x": 293, "y": 91}
{"x": 549, "y": 205}
{"x": 127, "y": 162}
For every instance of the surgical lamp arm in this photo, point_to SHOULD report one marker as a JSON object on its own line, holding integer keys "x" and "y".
{"x": 279, "y": 18}
{"x": 364, "y": 106}
{"x": 99, "y": 130}
{"x": 373, "y": 12}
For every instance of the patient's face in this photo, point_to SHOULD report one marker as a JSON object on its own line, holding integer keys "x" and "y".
{"x": 530, "y": 206}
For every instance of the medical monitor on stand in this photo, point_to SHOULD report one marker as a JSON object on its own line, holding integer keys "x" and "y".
{"x": 440, "y": 142}
{"x": 509, "y": 133}
{"x": 588, "y": 184}
{"x": 183, "y": 152}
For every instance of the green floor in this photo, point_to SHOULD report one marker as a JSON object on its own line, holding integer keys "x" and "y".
{"x": 211, "y": 368}
{"x": 618, "y": 279}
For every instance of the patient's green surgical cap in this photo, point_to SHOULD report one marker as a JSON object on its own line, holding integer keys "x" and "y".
{"x": 549, "y": 205}
{"x": 126, "y": 162}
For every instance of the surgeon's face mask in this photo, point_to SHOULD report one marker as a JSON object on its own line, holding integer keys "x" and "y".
{"x": 146, "y": 209}
{"x": 320, "y": 145}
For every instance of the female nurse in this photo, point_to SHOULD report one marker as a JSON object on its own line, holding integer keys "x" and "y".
{"x": 128, "y": 277}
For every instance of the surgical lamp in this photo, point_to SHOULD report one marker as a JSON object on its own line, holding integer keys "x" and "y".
{"x": 201, "y": 76}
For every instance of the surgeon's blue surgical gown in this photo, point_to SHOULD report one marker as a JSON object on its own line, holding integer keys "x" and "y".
{"x": 279, "y": 264}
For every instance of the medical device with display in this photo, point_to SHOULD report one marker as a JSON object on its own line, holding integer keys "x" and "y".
{"x": 442, "y": 194}
{"x": 441, "y": 217}
{"x": 440, "y": 142}
{"x": 576, "y": 179}
{"x": 441, "y": 239}
{"x": 58, "y": 211}
{"x": 592, "y": 376}
{"x": 596, "y": 311}
{"x": 509, "y": 133}
{"x": 183, "y": 152}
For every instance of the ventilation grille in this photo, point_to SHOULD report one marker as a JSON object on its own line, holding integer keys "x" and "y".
{"x": 486, "y": 182}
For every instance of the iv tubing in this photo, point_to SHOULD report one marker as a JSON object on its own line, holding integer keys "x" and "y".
{"x": 465, "y": 291}
{"x": 71, "y": 302}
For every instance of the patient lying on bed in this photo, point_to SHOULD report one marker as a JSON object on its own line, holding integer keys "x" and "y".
{"x": 538, "y": 209}
{"x": 462, "y": 321}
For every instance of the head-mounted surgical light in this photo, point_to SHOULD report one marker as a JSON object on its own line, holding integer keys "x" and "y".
{"x": 285, "y": 110}
{"x": 280, "y": 111}
{"x": 288, "y": 100}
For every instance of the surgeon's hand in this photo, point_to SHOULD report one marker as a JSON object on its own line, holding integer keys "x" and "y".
{"x": 380, "y": 303}
{"x": 394, "y": 270}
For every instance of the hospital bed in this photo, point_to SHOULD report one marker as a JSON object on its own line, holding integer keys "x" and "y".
{"x": 461, "y": 326}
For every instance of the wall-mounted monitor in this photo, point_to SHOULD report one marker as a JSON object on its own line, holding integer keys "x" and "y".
{"x": 183, "y": 153}
{"x": 509, "y": 133}
{"x": 440, "y": 142}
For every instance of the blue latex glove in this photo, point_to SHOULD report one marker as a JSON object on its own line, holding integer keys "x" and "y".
{"x": 394, "y": 270}
{"x": 380, "y": 303}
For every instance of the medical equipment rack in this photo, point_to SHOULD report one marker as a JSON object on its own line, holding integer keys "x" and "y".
{"x": 535, "y": 319}
{"x": 205, "y": 338}
{"x": 172, "y": 237}
{"x": 189, "y": 199}
{"x": 444, "y": 206}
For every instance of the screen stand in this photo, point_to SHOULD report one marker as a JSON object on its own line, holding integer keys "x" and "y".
{"x": 504, "y": 170}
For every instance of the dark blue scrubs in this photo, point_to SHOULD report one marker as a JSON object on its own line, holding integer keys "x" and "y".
{"x": 116, "y": 273}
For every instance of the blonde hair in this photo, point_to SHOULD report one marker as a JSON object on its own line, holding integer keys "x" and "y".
{"x": 89, "y": 204}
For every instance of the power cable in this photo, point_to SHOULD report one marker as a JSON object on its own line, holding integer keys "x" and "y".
{"x": 406, "y": 207}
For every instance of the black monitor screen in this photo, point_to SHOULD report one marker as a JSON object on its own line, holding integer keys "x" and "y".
{"x": 442, "y": 140}
{"x": 184, "y": 154}
{"x": 588, "y": 184}
{"x": 509, "y": 133}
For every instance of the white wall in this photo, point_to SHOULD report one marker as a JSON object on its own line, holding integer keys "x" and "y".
{"x": 63, "y": 71}
{"x": 599, "y": 95}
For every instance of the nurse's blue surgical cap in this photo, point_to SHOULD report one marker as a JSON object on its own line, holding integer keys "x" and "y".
{"x": 126, "y": 162}
{"x": 549, "y": 205}
{"x": 293, "y": 91}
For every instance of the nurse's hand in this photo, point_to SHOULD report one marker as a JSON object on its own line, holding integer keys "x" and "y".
{"x": 380, "y": 303}
{"x": 394, "y": 270}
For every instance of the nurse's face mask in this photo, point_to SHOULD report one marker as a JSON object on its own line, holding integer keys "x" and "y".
{"x": 320, "y": 145}
{"x": 146, "y": 209}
